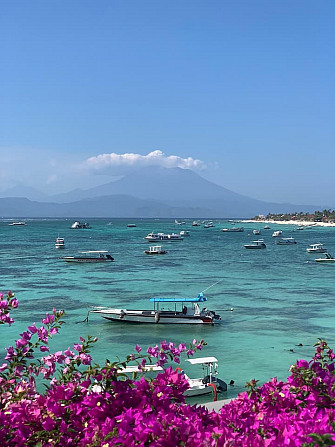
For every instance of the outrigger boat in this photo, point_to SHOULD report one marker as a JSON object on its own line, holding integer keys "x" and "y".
{"x": 328, "y": 258}
{"x": 184, "y": 311}
{"x": 91, "y": 256}
{"x": 256, "y": 244}
{"x": 155, "y": 250}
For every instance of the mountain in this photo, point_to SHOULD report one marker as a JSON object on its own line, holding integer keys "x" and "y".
{"x": 150, "y": 192}
{"x": 24, "y": 191}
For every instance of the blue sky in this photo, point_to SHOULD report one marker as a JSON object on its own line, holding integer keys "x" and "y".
{"x": 241, "y": 91}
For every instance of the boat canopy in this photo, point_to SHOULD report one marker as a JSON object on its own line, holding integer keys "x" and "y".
{"x": 202, "y": 360}
{"x": 199, "y": 299}
{"x": 94, "y": 251}
{"x": 136, "y": 369}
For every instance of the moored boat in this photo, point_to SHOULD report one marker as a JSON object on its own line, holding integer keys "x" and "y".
{"x": 277, "y": 233}
{"x": 286, "y": 241}
{"x": 233, "y": 230}
{"x": 131, "y": 225}
{"x": 184, "y": 233}
{"x": 80, "y": 225}
{"x": 316, "y": 248}
{"x": 256, "y": 232}
{"x": 180, "y": 311}
{"x": 156, "y": 237}
{"x": 155, "y": 250}
{"x": 60, "y": 242}
{"x": 91, "y": 256}
{"x": 327, "y": 259}
{"x": 17, "y": 224}
{"x": 256, "y": 244}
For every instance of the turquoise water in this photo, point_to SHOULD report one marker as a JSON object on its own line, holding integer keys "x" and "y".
{"x": 280, "y": 296}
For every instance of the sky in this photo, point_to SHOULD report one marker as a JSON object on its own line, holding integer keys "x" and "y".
{"x": 240, "y": 91}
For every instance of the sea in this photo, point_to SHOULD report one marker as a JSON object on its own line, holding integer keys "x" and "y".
{"x": 274, "y": 303}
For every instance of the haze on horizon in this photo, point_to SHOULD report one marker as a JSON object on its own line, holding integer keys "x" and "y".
{"x": 240, "y": 92}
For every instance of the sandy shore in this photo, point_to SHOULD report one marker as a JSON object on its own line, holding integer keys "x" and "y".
{"x": 298, "y": 223}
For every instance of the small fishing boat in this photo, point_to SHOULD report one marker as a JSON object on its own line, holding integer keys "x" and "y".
{"x": 233, "y": 230}
{"x": 92, "y": 256}
{"x": 60, "y": 242}
{"x": 195, "y": 224}
{"x": 277, "y": 233}
{"x": 286, "y": 241}
{"x": 131, "y": 225}
{"x": 266, "y": 227}
{"x": 327, "y": 259}
{"x": 80, "y": 225}
{"x": 316, "y": 248}
{"x": 155, "y": 250}
{"x": 175, "y": 311}
{"x": 208, "y": 382}
{"x": 256, "y": 232}
{"x": 184, "y": 233}
{"x": 256, "y": 244}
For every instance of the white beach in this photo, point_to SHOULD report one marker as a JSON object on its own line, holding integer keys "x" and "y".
{"x": 299, "y": 223}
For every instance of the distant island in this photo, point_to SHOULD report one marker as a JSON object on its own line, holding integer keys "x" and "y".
{"x": 325, "y": 216}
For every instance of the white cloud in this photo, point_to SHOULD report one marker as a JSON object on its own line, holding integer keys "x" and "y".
{"x": 113, "y": 161}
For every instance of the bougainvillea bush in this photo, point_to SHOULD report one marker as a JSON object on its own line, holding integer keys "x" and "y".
{"x": 84, "y": 404}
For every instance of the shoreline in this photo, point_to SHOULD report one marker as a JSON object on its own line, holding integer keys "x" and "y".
{"x": 299, "y": 223}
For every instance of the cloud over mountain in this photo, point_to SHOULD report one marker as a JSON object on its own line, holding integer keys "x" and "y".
{"x": 125, "y": 162}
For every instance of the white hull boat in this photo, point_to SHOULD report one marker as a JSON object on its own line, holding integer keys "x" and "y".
{"x": 286, "y": 241}
{"x": 316, "y": 248}
{"x": 60, "y": 242}
{"x": 233, "y": 230}
{"x": 328, "y": 259}
{"x": 277, "y": 233}
{"x": 209, "y": 382}
{"x": 180, "y": 315}
{"x": 92, "y": 256}
{"x": 155, "y": 250}
{"x": 157, "y": 237}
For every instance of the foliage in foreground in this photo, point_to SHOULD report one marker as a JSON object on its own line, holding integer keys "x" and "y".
{"x": 85, "y": 404}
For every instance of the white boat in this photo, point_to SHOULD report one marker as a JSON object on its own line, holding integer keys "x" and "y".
{"x": 184, "y": 233}
{"x": 256, "y": 232}
{"x": 208, "y": 382}
{"x": 195, "y": 224}
{"x": 155, "y": 250}
{"x": 91, "y": 256}
{"x": 131, "y": 225}
{"x": 233, "y": 230}
{"x": 80, "y": 225}
{"x": 156, "y": 237}
{"x": 60, "y": 242}
{"x": 256, "y": 244}
{"x": 286, "y": 241}
{"x": 17, "y": 224}
{"x": 316, "y": 248}
{"x": 175, "y": 311}
{"x": 179, "y": 222}
{"x": 328, "y": 258}
{"x": 277, "y": 233}
{"x": 209, "y": 225}
{"x": 266, "y": 227}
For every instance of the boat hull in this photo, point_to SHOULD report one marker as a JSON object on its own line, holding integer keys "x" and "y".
{"x": 87, "y": 260}
{"x": 152, "y": 317}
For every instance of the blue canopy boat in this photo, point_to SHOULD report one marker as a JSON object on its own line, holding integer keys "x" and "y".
{"x": 165, "y": 311}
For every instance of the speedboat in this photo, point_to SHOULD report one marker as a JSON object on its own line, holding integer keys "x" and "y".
{"x": 155, "y": 250}
{"x": 277, "y": 233}
{"x": 328, "y": 258}
{"x": 179, "y": 222}
{"x": 233, "y": 230}
{"x": 184, "y": 233}
{"x": 91, "y": 256}
{"x": 131, "y": 225}
{"x": 80, "y": 225}
{"x": 60, "y": 242}
{"x": 17, "y": 224}
{"x": 195, "y": 224}
{"x": 175, "y": 311}
{"x": 286, "y": 241}
{"x": 316, "y": 248}
{"x": 256, "y": 232}
{"x": 256, "y": 244}
{"x": 266, "y": 227}
{"x": 209, "y": 382}
{"x": 156, "y": 237}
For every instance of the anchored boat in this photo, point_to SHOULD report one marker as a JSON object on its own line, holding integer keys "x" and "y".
{"x": 91, "y": 256}
{"x": 175, "y": 311}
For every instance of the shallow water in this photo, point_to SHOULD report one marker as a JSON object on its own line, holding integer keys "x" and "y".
{"x": 281, "y": 297}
